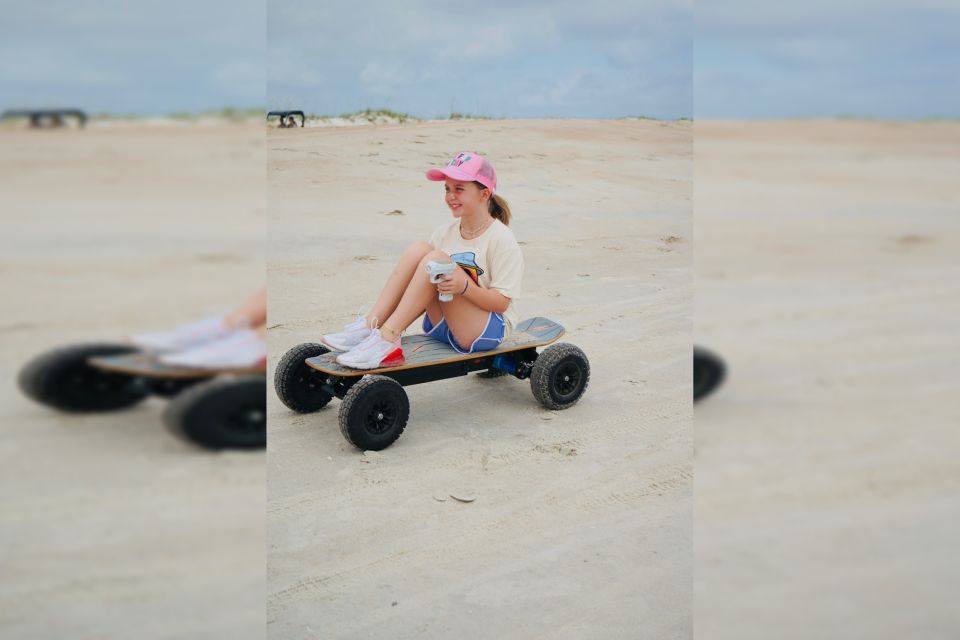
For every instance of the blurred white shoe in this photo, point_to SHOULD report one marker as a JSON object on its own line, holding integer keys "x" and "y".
{"x": 242, "y": 349}
{"x": 183, "y": 337}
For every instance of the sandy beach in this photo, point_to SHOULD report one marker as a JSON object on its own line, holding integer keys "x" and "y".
{"x": 114, "y": 528}
{"x": 581, "y": 527}
{"x": 826, "y": 474}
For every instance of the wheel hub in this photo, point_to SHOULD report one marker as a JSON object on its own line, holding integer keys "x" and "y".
{"x": 248, "y": 420}
{"x": 567, "y": 379}
{"x": 381, "y": 417}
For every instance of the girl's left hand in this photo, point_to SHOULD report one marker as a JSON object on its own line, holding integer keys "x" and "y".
{"x": 454, "y": 283}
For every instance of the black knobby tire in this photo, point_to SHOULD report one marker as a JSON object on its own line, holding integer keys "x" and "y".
{"x": 62, "y": 379}
{"x": 296, "y": 383}
{"x": 374, "y": 413}
{"x": 171, "y": 387}
{"x": 708, "y": 373}
{"x": 224, "y": 413}
{"x": 560, "y": 376}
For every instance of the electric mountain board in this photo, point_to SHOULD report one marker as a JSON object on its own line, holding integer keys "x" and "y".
{"x": 375, "y": 408}
{"x": 218, "y": 409}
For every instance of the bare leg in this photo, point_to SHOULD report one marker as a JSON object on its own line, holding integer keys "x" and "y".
{"x": 435, "y": 311}
{"x": 252, "y": 313}
{"x": 398, "y": 281}
{"x": 465, "y": 319}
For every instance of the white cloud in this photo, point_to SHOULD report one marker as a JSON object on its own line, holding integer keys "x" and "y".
{"x": 489, "y": 41}
{"x": 383, "y": 78}
{"x": 237, "y": 72}
{"x": 288, "y": 67}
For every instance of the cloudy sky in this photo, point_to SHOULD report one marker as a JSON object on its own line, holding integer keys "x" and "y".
{"x": 879, "y": 58}
{"x": 519, "y": 58}
{"x": 133, "y": 57}
{"x": 503, "y": 58}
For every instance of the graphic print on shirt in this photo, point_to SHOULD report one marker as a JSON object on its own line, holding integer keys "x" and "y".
{"x": 468, "y": 260}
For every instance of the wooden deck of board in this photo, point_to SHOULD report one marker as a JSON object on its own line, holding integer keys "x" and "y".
{"x": 421, "y": 350}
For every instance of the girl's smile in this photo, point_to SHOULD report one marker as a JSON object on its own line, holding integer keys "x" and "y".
{"x": 464, "y": 198}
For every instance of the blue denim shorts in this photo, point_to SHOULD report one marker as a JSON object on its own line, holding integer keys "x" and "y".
{"x": 490, "y": 339}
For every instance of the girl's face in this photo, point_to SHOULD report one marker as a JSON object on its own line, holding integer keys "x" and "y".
{"x": 465, "y": 198}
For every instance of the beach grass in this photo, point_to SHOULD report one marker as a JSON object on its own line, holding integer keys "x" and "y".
{"x": 456, "y": 115}
{"x": 371, "y": 115}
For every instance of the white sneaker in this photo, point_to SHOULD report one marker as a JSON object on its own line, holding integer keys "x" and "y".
{"x": 373, "y": 353}
{"x": 352, "y": 335}
{"x": 184, "y": 336}
{"x": 242, "y": 349}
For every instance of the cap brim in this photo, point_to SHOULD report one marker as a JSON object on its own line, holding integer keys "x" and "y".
{"x": 449, "y": 172}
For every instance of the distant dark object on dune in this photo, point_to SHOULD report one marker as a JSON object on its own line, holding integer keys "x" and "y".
{"x": 46, "y": 118}
{"x": 287, "y": 118}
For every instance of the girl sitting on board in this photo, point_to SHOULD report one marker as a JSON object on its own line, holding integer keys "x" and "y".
{"x": 486, "y": 280}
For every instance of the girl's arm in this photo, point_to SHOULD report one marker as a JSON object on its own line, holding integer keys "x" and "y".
{"x": 487, "y": 299}
{"x": 459, "y": 283}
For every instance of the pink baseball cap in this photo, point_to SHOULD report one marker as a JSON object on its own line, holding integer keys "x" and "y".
{"x": 467, "y": 166}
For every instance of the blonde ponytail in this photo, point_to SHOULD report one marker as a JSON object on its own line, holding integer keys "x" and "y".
{"x": 499, "y": 209}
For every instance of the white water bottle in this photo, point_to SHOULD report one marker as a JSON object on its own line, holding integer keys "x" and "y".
{"x": 437, "y": 270}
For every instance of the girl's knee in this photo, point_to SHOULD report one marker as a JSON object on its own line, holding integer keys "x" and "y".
{"x": 436, "y": 255}
{"x": 420, "y": 248}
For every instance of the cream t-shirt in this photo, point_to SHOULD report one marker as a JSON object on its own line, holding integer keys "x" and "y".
{"x": 493, "y": 260}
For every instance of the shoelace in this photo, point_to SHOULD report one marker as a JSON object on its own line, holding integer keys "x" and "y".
{"x": 362, "y": 313}
{"x": 370, "y": 340}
